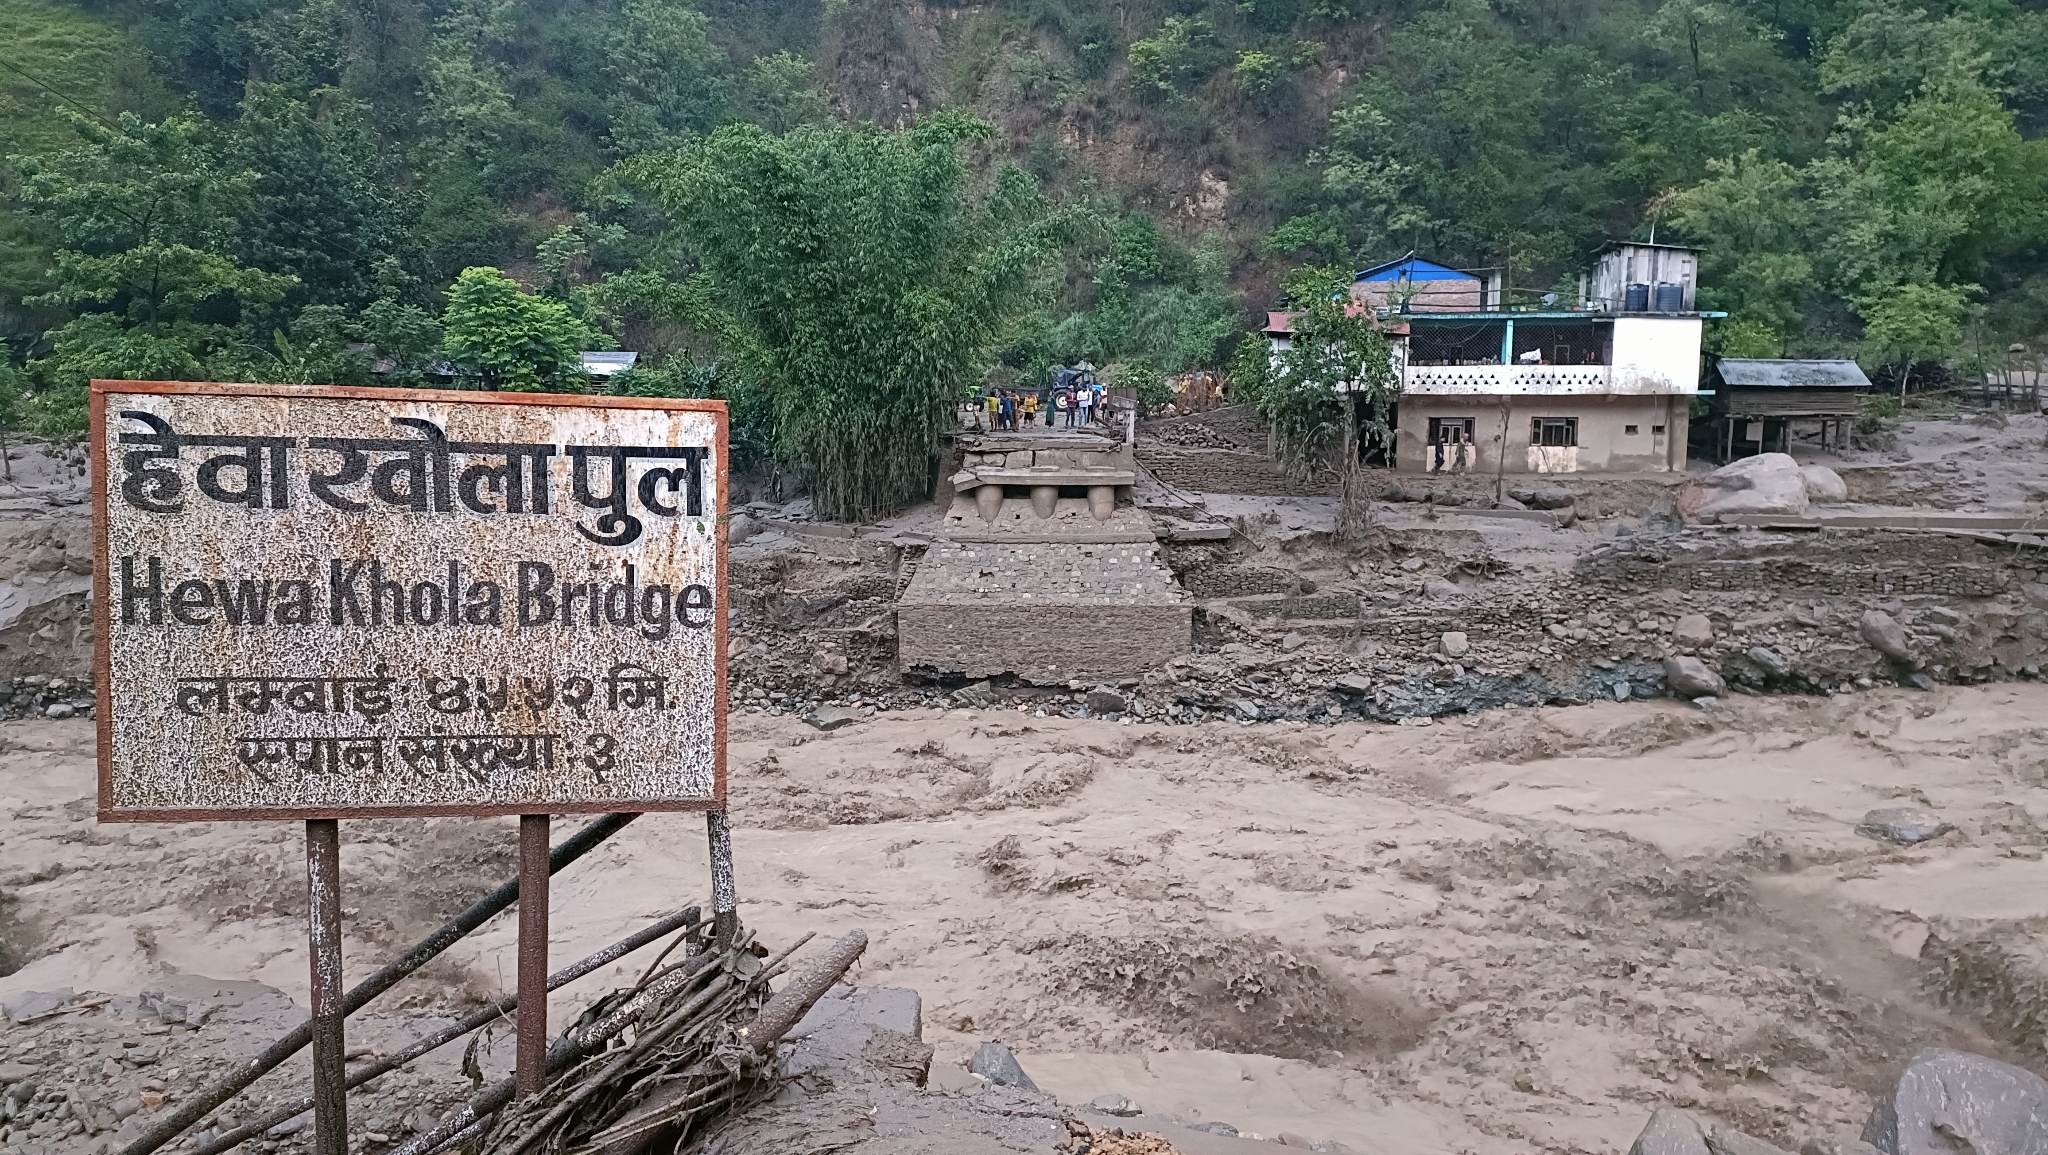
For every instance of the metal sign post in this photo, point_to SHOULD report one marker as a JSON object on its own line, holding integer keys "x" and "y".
{"x": 327, "y": 603}
{"x": 533, "y": 953}
{"x": 725, "y": 896}
{"x": 323, "y": 937}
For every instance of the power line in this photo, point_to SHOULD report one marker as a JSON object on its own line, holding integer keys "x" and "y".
{"x": 25, "y": 74}
{"x": 32, "y": 78}
{"x": 355, "y": 249}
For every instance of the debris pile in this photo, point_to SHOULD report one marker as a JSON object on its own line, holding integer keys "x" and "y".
{"x": 703, "y": 1033}
{"x": 40, "y": 695}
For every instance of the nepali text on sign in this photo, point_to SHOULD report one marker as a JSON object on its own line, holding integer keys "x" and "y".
{"x": 338, "y": 602}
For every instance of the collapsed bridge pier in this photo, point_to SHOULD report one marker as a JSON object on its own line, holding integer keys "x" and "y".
{"x": 1045, "y": 568}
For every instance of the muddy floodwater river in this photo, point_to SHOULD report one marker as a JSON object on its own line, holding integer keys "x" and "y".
{"x": 1514, "y": 932}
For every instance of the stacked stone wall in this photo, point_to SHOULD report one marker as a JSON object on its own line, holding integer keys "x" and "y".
{"x": 1237, "y": 427}
{"x": 1846, "y": 563}
{"x": 1042, "y": 643}
{"x": 1230, "y": 580}
{"x": 1226, "y": 471}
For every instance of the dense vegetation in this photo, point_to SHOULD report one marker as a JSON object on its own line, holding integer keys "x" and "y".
{"x": 763, "y": 200}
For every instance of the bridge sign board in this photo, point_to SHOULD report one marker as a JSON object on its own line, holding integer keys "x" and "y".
{"x": 330, "y": 602}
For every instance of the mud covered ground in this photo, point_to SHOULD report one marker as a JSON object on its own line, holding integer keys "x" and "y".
{"x": 1515, "y": 932}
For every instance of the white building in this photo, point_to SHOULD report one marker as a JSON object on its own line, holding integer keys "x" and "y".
{"x": 1601, "y": 384}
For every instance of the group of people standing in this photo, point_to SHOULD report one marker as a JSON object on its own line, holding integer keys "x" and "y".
{"x": 1072, "y": 396}
{"x": 1078, "y": 394}
{"x": 1008, "y": 410}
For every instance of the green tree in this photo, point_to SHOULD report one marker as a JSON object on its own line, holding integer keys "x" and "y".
{"x": 1744, "y": 337}
{"x": 512, "y": 339}
{"x": 1930, "y": 194}
{"x": 860, "y": 279}
{"x": 1143, "y": 378}
{"x": 1365, "y": 182}
{"x": 564, "y": 258}
{"x": 1179, "y": 329}
{"x": 750, "y": 425}
{"x": 147, "y": 217}
{"x": 320, "y": 203}
{"x": 667, "y": 79}
{"x": 1334, "y": 386}
{"x": 323, "y": 347}
{"x": 1753, "y": 216}
{"x": 1710, "y": 38}
{"x": 780, "y": 91}
{"x": 1910, "y": 323}
{"x": 1249, "y": 371}
{"x": 467, "y": 98}
{"x": 405, "y": 337}
{"x": 1258, "y": 74}
{"x": 1891, "y": 50}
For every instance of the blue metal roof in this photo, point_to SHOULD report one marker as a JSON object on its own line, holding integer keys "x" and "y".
{"x": 1413, "y": 268}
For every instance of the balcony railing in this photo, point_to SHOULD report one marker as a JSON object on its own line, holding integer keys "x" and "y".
{"x": 1453, "y": 380}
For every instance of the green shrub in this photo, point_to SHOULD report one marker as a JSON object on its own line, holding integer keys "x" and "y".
{"x": 1180, "y": 55}
{"x": 1258, "y": 73}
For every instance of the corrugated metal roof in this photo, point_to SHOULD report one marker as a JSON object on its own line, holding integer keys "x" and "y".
{"x": 606, "y": 364}
{"x": 1412, "y": 267}
{"x": 1281, "y": 321}
{"x": 1761, "y": 373}
{"x": 1608, "y": 246}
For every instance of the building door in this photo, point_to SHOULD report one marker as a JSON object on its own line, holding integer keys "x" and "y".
{"x": 1451, "y": 448}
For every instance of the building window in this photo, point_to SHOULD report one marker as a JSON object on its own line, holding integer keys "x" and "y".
{"x": 1656, "y": 431}
{"x": 1554, "y": 432}
{"x": 1629, "y": 430}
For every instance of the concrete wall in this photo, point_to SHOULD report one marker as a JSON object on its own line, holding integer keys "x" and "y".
{"x": 1656, "y": 355}
{"x": 1045, "y": 611}
{"x": 1605, "y": 445}
{"x": 1112, "y": 455}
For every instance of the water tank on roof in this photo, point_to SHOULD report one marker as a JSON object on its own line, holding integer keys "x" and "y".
{"x": 1670, "y": 297}
{"x": 1635, "y": 298}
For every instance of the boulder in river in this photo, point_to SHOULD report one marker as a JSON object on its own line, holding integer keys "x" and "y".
{"x": 1884, "y": 634}
{"x": 1671, "y": 1131}
{"x": 1765, "y": 483}
{"x": 998, "y": 1064}
{"x": 1905, "y": 825}
{"x": 1692, "y": 678}
{"x": 1949, "y": 1101}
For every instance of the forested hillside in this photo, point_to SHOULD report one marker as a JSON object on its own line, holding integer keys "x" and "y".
{"x": 290, "y": 189}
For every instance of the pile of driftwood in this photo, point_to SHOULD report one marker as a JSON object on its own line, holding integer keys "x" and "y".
{"x": 650, "y": 1067}
{"x": 654, "y": 1064}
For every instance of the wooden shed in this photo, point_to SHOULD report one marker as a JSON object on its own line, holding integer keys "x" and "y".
{"x": 1758, "y": 399}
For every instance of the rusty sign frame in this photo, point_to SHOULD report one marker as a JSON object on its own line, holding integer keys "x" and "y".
{"x": 326, "y": 1029}
{"x": 103, "y": 610}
